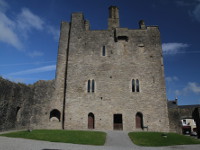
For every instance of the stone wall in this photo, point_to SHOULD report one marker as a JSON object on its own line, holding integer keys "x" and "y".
{"x": 174, "y": 120}
{"x": 130, "y": 54}
{"x": 24, "y": 106}
{"x": 178, "y": 112}
{"x": 12, "y": 105}
{"x": 196, "y": 116}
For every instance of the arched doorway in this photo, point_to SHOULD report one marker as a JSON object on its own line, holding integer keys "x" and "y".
{"x": 139, "y": 120}
{"x": 55, "y": 115}
{"x": 90, "y": 121}
{"x": 18, "y": 114}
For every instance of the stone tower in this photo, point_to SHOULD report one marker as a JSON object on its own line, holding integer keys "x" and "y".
{"x": 109, "y": 79}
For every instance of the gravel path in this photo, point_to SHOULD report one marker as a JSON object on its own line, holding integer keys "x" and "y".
{"x": 116, "y": 140}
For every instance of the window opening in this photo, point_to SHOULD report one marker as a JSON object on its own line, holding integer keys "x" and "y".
{"x": 133, "y": 85}
{"x": 104, "y": 51}
{"x": 93, "y": 86}
{"x": 54, "y": 115}
{"x": 137, "y": 86}
{"x": 88, "y": 87}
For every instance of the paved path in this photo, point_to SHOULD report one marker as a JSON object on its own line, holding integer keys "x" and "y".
{"x": 116, "y": 140}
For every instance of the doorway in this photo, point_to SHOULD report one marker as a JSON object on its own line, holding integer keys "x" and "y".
{"x": 117, "y": 122}
{"x": 90, "y": 121}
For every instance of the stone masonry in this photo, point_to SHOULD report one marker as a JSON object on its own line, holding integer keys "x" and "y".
{"x": 105, "y": 80}
{"x": 108, "y": 61}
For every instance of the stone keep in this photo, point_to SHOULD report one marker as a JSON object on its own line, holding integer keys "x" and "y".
{"x": 109, "y": 79}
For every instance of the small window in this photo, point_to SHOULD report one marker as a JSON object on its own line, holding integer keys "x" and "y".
{"x": 184, "y": 122}
{"x": 93, "y": 86}
{"x": 55, "y": 115}
{"x": 133, "y": 85}
{"x": 137, "y": 86}
{"x": 104, "y": 51}
{"x": 88, "y": 87}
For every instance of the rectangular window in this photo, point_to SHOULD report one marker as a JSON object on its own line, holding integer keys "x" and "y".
{"x": 104, "y": 51}
{"x": 133, "y": 85}
{"x": 137, "y": 86}
{"x": 88, "y": 87}
{"x": 93, "y": 86}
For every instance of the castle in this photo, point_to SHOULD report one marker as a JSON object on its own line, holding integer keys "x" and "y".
{"x": 105, "y": 80}
{"x": 110, "y": 79}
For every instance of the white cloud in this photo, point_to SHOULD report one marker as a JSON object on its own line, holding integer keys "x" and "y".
{"x": 191, "y": 87}
{"x": 177, "y": 92}
{"x": 36, "y": 70}
{"x": 55, "y": 32}
{"x": 26, "y": 20}
{"x": 12, "y": 31}
{"x": 196, "y": 12}
{"x": 35, "y": 54}
{"x": 171, "y": 79}
{"x": 3, "y": 5}
{"x": 173, "y": 48}
{"x": 184, "y": 3}
{"x": 7, "y": 33}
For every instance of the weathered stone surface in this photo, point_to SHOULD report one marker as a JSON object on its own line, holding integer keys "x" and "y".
{"x": 130, "y": 54}
{"x": 178, "y": 112}
{"x": 22, "y": 105}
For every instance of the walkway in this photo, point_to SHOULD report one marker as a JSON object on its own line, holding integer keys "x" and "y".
{"x": 116, "y": 140}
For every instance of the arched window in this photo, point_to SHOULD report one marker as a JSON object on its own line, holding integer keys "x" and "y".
{"x": 54, "y": 115}
{"x": 137, "y": 86}
{"x": 18, "y": 114}
{"x": 133, "y": 85}
{"x": 91, "y": 121}
{"x": 88, "y": 87}
{"x": 104, "y": 51}
{"x": 139, "y": 120}
{"x": 91, "y": 86}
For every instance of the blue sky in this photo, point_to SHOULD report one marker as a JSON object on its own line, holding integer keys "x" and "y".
{"x": 29, "y": 33}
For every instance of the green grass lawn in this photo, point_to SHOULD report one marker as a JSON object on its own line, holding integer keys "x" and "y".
{"x": 65, "y": 136}
{"x": 156, "y": 139}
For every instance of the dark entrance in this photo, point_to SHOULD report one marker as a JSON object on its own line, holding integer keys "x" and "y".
{"x": 117, "y": 122}
{"x": 139, "y": 120}
{"x": 90, "y": 121}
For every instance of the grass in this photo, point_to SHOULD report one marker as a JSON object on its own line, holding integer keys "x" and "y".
{"x": 65, "y": 136}
{"x": 157, "y": 139}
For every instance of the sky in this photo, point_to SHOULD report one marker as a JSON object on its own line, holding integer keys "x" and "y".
{"x": 29, "y": 34}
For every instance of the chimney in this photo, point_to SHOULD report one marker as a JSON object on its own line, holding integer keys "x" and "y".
{"x": 113, "y": 20}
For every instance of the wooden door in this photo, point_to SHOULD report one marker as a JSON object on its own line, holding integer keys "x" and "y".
{"x": 139, "y": 120}
{"x": 91, "y": 121}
